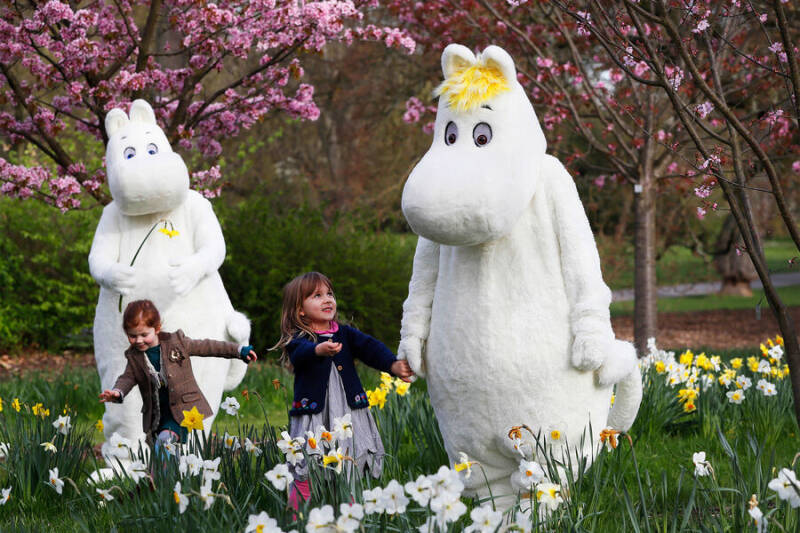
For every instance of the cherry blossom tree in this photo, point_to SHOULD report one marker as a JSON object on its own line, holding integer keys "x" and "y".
{"x": 210, "y": 70}
{"x": 730, "y": 72}
{"x": 601, "y": 123}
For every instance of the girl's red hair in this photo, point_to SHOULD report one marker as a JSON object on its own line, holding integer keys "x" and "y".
{"x": 141, "y": 312}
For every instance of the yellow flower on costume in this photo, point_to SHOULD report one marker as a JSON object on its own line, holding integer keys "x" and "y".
{"x": 169, "y": 232}
{"x": 16, "y": 405}
{"x": 192, "y": 419}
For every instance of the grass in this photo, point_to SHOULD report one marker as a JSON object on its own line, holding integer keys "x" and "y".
{"x": 680, "y": 265}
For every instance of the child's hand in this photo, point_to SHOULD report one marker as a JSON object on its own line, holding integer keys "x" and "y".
{"x": 251, "y": 356}
{"x": 328, "y": 348}
{"x": 109, "y": 396}
{"x": 402, "y": 370}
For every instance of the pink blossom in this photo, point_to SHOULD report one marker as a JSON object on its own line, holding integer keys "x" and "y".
{"x": 703, "y": 191}
{"x": 762, "y": 17}
{"x": 711, "y": 159}
{"x": 544, "y": 62}
{"x": 702, "y": 25}
{"x": 704, "y": 109}
{"x": 600, "y": 181}
{"x": 796, "y": 167}
{"x": 414, "y": 110}
{"x": 776, "y": 47}
{"x": 701, "y": 213}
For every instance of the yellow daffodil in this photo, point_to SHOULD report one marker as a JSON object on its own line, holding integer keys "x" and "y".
{"x": 1, "y": 405}
{"x": 689, "y": 406}
{"x": 686, "y": 358}
{"x": 555, "y": 435}
{"x": 752, "y": 363}
{"x": 377, "y": 397}
{"x": 16, "y": 405}
{"x": 779, "y": 339}
{"x": 169, "y": 232}
{"x": 736, "y": 362}
{"x": 37, "y": 409}
{"x": 401, "y": 388}
{"x": 687, "y": 394}
{"x": 703, "y": 362}
{"x": 764, "y": 349}
{"x": 613, "y": 399}
{"x": 192, "y": 419}
{"x": 387, "y": 380}
{"x": 660, "y": 367}
{"x": 465, "y": 465}
{"x": 99, "y": 425}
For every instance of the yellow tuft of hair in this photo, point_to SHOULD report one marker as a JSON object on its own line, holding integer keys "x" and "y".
{"x": 470, "y": 87}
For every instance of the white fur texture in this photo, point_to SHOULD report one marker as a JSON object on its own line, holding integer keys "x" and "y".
{"x": 507, "y": 314}
{"x": 179, "y": 274}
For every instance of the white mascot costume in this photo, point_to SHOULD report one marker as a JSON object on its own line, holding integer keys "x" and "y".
{"x": 176, "y": 268}
{"x": 507, "y": 314}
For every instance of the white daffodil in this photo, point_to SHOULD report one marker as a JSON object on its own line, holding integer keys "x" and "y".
{"x": 373, "y": 500}
{"x": 249, "y": 447}
{"x": 190, "y": 464}
{"x": 758, "y": 518}
{"x": 321, "y": 520}
{"x": 118, "y": 446}
{"x": 206, "y": 496}
{"x": 420, "y": 490}
{"x": 701, "y": 466}
{"x": 62, "y": 424}
{"x": 394, "y": 498}
{"x": 211, "y": 470}
{"x": 735, "y": 396}
{"x": 776, "y": 352}
{"x": 230, "y": 406}
{"x": 530, "y": 474}
{"x": 181, "y": 499}
{"x": 292, "y": 448}
{"x": 49, "y": 446}
{"x": 484, "y": 519}
{"x": 787, "y": 486}
{"x": 315, "y": 440}
{"x": 231, "y": 442}
{"x": 549, "y": 495}
{"x": 446, "y": 481}
{"x": 523, "y": 522}
{"x": 105, "y": 496}
{"x": 343, "y": 427}
{"x": 280, "y": 476}
{"x": 5, "y": 495}
{"x": 55, "y": 481}
{"x": 447, "y": 509}
{"x": 743, "y": 382}
{"x": 137, "y": 471}
{"x": 350, "y": 515}
{"x": 764, "y": 367}
{"x": 262, "y": 523}
{"x": 4, "y": 449}
{"x": 334, "y": 459}
{"x": 464, "y": 465}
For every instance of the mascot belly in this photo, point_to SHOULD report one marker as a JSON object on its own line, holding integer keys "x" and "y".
{"x": 175, "y": 265}
{"x": 507, "y": 314}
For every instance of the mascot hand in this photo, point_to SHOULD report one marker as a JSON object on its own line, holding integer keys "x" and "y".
{"x": 184, "y": 275}
{"x": 589, "y": 350}
{"x": 620, "y": 362}
{"x": 410, "y": 349}
{"x": 119, "y": 278}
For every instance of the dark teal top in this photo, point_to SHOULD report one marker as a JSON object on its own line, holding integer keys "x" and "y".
{"x": 166, "y": 420}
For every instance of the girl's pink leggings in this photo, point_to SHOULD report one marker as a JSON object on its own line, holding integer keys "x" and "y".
{"x": 301, "y": 487}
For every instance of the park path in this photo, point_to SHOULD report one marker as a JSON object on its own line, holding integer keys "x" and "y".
{"x": 785, "y": 279}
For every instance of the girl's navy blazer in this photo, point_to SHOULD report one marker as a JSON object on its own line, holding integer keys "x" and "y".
{"x": 311, "y": 371}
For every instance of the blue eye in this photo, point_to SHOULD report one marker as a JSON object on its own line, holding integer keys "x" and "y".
{"x": 129, "y": 152}
{"x": 152, "y": 149}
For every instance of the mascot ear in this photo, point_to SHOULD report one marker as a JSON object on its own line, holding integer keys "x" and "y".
{"x": 116, "y": 119}
{"x": 456, "y": 57}
{"x": 496, "y": 57}
{"x": 142, "y": 112}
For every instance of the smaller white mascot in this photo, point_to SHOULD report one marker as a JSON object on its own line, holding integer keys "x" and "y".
{"x": 175, "y": 268}
{"x": 507, "y": 314}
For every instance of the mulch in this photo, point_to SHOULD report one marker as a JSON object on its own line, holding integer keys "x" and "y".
{"x": 719, "y": 329}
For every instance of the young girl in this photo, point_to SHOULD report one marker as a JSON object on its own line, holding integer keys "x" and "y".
{"x": 326, "y": 385}
{"x": 158, "y": 362}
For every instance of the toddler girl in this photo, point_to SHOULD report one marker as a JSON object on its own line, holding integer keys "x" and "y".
{"x": 326, "y": 385}
{"x": 158, "y": 362}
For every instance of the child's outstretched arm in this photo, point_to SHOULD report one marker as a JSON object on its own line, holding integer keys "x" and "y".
{"x": 215, "y": 348}
{"x": 402, "y": 370}
{"x": 121, "y": 388}
{"x": 110, "y": 396}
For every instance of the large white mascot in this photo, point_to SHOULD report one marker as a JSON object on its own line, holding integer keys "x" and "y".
{"x": 176, "y": 268}
{"x": 507, "y": 314}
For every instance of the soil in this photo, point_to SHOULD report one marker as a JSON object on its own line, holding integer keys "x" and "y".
{"x": 720, "y": 330}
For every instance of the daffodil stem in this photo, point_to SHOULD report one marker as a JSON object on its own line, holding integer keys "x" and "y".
{"x": 139, "y": 249}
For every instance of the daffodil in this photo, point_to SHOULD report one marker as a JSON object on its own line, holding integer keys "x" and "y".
{"x": 4, "y": 449}
{"x": 207, "y": 496}
{"x": 321, "y": 519}
{"x": 350, "y": 515}
{"x": 701, "y": 466}
{"x": 6, "y": 495}
{"x": 99, "y": 425}
{"x": 262, "y": 523}
{"x": 736, "y": 363}
{"x": 549, "y": 495}
{"x": 231, "y": 442}
{"x": 62, "y": 424}
{"x": 752, "y": 363}
{"x": 530, "y": 474}
{"x": 182, "y": 500}
{"x": 1, "y": 405}
{"x": 464, "y": 465}
{"x": 686, "y": 358}
{"x": 38, "y": 409}
{"x": 105, "y": 496}
{"x": 689, "y": 406}
{"x": 230, "y": 406}
{"x": 54, "y": 481}
{"x": 787, "y": 486}
{"x": 401, "y": 387}
{"x": 420, "y": 490}
{"x": 49, "y": 446}
{"x": 280, "y": 476}
{"x": 387, "y": 380}
{"x": 250, "y": 447}
{"x": 395, "y": 500}
{"x": 609, "y": 438}
{"x": 735, "y": 396}
{"x": 169, "y": 232}
{"x": 377, "y": 397}
{"x": 16, "y": 405}
{"x": 343, "y": 427}
{"x": 484, "y": 518}
{"x": 334, "y": 457}
{"x": 660, "y": 367}
{"x": 192, "y": 419}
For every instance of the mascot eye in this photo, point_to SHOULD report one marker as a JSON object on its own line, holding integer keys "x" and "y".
{"x": 152, "y": 149}
{"x": 450, "y": 133}
{"x": 129, "y": 152}
{"x": 482, "y": 134}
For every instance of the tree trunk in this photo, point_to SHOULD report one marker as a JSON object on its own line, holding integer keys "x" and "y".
{"x": 734, "y": 267}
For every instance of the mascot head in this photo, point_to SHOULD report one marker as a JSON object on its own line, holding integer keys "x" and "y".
{"x": 144, "y": 174}
{"x": 479, "y": 174}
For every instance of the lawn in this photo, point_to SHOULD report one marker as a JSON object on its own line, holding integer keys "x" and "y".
{"x": 647, "y": 483}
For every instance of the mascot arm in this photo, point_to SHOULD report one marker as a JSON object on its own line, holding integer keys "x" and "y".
{"x": 416, "y": 322}
{"x": 588, "y": 295}
{"x": 209, "y": 245}
{"x": 104, "y": 262}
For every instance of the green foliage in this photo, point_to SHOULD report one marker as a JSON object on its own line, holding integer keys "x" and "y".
{"x": 268, "y": 246}
{"x": 47, "y": 296}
